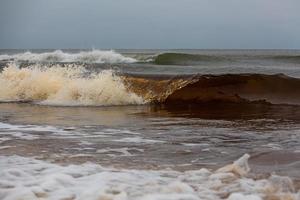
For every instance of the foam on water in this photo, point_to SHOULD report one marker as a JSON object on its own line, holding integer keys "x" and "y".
{"x": 137, "y": 140}
{"x": 10, "y": 132}
{"x": 29, "y": 179}
{"x": 120, "y": 151}
{"x": 70, "y": 85}
{"x": 94, "y": 56}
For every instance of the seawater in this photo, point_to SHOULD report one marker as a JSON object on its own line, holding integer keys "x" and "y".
{"x": 71, "y": 128}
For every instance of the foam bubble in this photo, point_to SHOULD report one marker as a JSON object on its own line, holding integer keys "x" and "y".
{"x": 69, "y": 86}
{"x": 94, "y": 56}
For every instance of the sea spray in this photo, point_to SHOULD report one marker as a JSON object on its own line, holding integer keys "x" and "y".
{"x": 69, "y": 85}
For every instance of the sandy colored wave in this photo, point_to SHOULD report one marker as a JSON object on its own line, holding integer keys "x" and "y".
{"x": 228, "y": 88}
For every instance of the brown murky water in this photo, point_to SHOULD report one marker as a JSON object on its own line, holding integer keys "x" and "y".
{"x": 156, "y": 137}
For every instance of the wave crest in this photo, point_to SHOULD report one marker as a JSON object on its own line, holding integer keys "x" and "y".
{"x": 70, "y": 85}
{"x": 94, "y": 56}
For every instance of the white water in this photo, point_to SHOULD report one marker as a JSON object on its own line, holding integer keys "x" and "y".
{"x": 69, "y": 86}
{"x": 94, "y": 56}
{"x": 30, "y": 179}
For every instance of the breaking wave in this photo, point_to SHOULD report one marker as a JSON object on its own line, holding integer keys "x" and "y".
{"x": 94, "y": 56}
{"x": 30, "y": 179}
{"x": 70, "y": 85}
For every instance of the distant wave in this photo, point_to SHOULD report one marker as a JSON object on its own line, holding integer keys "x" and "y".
{"x": 71, "y": 85}
{"x": 192, "y": 59}
{"x": 185, "y": 59}
{"x": 94, "y": 56}
{"x": 287, "y": 58}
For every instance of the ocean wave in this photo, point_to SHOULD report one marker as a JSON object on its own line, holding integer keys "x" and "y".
{"x": 194, "y": 59}
{"x": 291, "y": 58}
{"x": 71, "y": 85}
{"x": 28, "y": 178}
{"x": 226, "y": 88}
{"x": 186, "y": 59}
{"x": 94, "y": 56}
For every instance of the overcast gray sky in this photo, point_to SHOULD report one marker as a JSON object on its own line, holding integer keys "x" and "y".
{"x": 149, "y": 24}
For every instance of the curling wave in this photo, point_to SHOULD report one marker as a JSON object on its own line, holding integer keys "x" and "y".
{"x": 227, "y": 88}
{"x": 94, "y": 56}
{"x": 70, "y": 85}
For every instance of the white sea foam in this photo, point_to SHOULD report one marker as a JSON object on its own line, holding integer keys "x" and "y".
{"x": 68, "y": 86}
{"x": 117, "y": 152}
{"x": 94, "y": 56}
{"x": 27, "y": 132}
{"x": 137, "y": 140}
{"x": 31, "y": 179}
{"x": 5, "y": 147}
